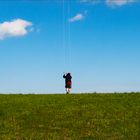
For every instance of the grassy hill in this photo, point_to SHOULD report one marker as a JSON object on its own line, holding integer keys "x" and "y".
{"x": 70, "y": 117}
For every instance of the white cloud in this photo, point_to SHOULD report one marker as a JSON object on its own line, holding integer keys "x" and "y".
{"x": 77, "y": 18}
{"x": 17, "y": 27}
{"x": 109, "y": 2}
{"x": 90, "y": 1}
{"x": 119, "y": 2}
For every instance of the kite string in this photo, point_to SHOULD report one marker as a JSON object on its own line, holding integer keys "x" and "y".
{"x": 69, "y": 35}
{"x": 66, "y": 34}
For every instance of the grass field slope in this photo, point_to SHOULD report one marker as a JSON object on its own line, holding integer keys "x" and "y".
{"x": 70, "y": 117}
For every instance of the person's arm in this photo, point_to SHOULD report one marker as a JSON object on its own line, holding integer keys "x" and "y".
{"x": 64, "y": 76}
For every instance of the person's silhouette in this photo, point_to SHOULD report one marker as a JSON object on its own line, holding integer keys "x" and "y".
{"x": 68, "y": 82}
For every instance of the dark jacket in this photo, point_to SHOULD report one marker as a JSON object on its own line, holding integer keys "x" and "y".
{"x": 67, "y": 77}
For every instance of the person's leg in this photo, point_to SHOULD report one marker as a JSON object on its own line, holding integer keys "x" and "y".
{"x": 67, "y": 91}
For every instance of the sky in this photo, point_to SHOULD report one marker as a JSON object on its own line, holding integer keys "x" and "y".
{"x": 97, "y": 41}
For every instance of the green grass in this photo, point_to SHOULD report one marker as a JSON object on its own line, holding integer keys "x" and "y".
{"x": 70, "y": 117}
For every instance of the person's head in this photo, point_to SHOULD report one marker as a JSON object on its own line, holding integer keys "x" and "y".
{"x": 69, "y": 74}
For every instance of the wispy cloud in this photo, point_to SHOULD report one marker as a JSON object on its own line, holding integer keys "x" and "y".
{"x": 77, "y": 17}
{"x": 109, "y": 2}
{"x": 14, "y": 28}
{"x": 90, "y": 1}
{"x": 119, "y": 2}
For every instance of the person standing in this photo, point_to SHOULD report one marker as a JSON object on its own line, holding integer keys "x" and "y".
{"x": 68, "y": 82}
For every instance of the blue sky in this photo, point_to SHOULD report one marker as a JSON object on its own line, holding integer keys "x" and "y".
{"x": 97, "y": 41}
